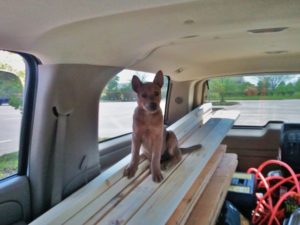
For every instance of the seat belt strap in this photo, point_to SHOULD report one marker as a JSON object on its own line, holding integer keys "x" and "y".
{"x": 58, "y": 157}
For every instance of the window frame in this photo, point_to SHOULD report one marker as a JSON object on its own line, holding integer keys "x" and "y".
{"x": 29, "y": 96}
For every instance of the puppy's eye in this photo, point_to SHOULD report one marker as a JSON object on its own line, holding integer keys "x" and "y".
{"x": 156, "y": 93}
{"x": 144, "y": 95}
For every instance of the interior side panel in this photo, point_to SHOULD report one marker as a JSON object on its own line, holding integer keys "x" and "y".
{"x": 114, "y": 150}
{"x": 72, "y": 90}
{"x": 254, "y": 145}
{"x": 180, "y": 100}
{"x": 14, "y": 200}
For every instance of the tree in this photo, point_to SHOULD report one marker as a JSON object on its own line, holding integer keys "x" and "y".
{"x": 263, "y": 86}
{"x": 268, "y": 83}
{"x": 251, "y": 90}
{"x": 223, "y": 86}
{"x": 112, "y": 85}
{"x": 11, "y": 88}
{"x": 281, "y": 89}
{"x": 290, "y": 89}
{"x": 297, "y": 85}
{"x": 111, "y": 90}
{"x": 127, "y": 94}
{"x": 9, "y": 68}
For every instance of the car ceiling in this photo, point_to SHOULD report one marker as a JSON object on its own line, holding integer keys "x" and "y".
{"x": 186, "y": 39}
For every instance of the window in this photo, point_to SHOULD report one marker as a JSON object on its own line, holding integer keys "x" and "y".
{"x": 12, "y": 79}
{"x": 118, "y": 101}
{"x": 259, "y": 98}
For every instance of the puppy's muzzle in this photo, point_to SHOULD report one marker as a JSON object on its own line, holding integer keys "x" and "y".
{"x": 152, "y": 106}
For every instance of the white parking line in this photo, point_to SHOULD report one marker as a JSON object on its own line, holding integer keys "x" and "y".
{"x": 12, "y": 118}
{"x": 5, "y": 141}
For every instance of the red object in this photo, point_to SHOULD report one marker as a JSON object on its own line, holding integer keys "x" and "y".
{"x": 267, "y": 211}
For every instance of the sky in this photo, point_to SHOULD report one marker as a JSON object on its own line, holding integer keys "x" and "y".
{"x": 253, "y": 79}
{"x": 126, "y": 75}
{"x": 12, "y": 59}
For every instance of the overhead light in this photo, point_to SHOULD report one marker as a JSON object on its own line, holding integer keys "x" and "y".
{"x": 179, "y": 70}
{"x": 276, "y": 52}
{"x": 267, "y": 30}
{"x": 189, "y": 22}
{"x": 190, "y": 36}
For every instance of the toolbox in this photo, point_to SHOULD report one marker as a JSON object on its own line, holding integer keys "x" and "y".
{"x": 241, "y": 192}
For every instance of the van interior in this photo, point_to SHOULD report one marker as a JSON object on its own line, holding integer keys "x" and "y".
{"x": 66, "y": 102}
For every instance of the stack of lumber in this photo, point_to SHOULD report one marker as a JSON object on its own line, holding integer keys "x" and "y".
{"x": 113, "y": 199}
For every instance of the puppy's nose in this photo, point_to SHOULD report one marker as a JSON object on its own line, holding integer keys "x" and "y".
{"x": 153, "y": 106}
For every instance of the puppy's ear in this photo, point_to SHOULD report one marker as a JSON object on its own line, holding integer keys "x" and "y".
{"x": 136, "y": 83}
{"x": 159, "y": 78}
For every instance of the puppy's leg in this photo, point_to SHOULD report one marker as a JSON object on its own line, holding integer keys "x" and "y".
{"x": 131, "y": 169}
{"x": 155, "y": 159}
{"x": 173, "y": 150}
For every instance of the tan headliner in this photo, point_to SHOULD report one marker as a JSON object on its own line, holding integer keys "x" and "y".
{"x": 150, "y": 35}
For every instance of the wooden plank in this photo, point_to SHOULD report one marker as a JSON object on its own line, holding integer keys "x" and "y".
{"x": 184, "y": 126}
{"x": 116, "y": 192}
{"x": 186, "y": 205}
{"x": 164, "y": 202}
{"x": 209, "y": 204}
{"x": 91, "y": 208}
{"x": 225, "y": 125}
{"x": 89, "y": 201}
{"x": 113, "y": 203}
{"x": 123, "y": 207}
{"x": 226, "y": 114}
{"x": 133, "y": 202}
{"x": 81, "y": 198}
{"x": 195, "y": 114}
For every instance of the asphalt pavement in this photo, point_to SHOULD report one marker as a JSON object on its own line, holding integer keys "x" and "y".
{"x": 10, "y": 126}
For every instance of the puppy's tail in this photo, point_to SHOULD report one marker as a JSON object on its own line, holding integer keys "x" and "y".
{"x": 185, "y": 150}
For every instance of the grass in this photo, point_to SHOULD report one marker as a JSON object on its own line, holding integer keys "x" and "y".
{"x": 267, "y": 97}
{"x": 224, "y": 103}
{"x": 230, "y": 100}
{"x": 8, "y": 164}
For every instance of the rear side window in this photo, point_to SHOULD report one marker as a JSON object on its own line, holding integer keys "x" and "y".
{"x": 12, "y": 80}
{"x": 118, "y": 101}
{"x": 260, "y": 98}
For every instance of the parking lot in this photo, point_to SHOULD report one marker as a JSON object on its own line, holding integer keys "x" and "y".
{"x": 116, "y": 118}
{"x": 258, "y": 113}
{"x": 10, "y": 123}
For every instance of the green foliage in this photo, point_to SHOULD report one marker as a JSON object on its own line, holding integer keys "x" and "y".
{"x": 11, "y": 63}
{"x": 11, "y": 88}
{"x": 8, "y": 164}
{"x": 281, "y": 89}
{"x": 290, "y": 89}
{"x": 267, "y": 87}
{"x": 296, "y": 95}
{"x": 297, "y": 85}
{"x": 113, "y": 84}
{"x": 12, "y": 79}
{"x": 227, "y": 86}
{"x": 116, "y": 91}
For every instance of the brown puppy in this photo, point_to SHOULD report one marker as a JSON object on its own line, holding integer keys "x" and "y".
{"x": 149, "y": 133}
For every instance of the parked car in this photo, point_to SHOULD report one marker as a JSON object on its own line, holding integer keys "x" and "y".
{"x": 4, "y": 100}
{"x": 75, "y": 61}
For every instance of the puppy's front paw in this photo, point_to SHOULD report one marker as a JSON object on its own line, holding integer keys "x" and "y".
{"x": 130, "y": 171}
{"x": 165, "y": 166}
{"x": 157, "y": 177}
